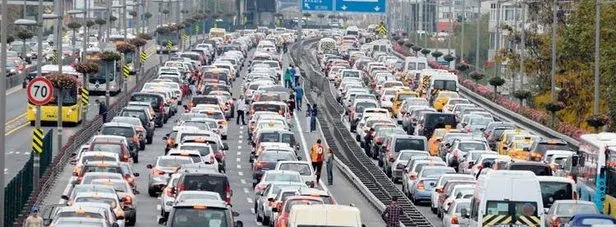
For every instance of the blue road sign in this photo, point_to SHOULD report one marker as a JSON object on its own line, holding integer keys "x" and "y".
{"x": 361, "y": 6}
{"x": 317, "y": 5}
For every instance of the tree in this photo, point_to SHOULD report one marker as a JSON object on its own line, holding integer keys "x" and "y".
{"x": 144, "y": 36}
{"x": 125, "y": 48}
{"x": 425, "y": 52}
{"x": 90, "y": 23}
{"x": 522, "y": 95}
{"x": 307, "y": 15}
{"x": 86, "y": 68}
{"x": 448, "y": 58}
{"x": 496, "y": 82}
{"x": 437, "y": 54}
{"x": 477, "y": 76}
{"x": 74, "y": 26}
{"x": 132, "y": 13}
{"x": 10, "y": 39}
{"x": 113, "y": 19}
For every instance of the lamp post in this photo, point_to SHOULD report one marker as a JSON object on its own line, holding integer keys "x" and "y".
{"x": 60, "y": 12}
{"x": 553, "y": 70}
{"x": 74, "y": 12}
{"x": 478, "y": 34}
{"x": 595, "y": 109}
{"x": 25, "y": 22}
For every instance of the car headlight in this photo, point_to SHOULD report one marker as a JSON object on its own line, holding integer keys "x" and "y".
{"x": 13, "y": 70}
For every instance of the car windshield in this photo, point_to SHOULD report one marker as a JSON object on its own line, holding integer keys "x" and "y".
{"x": 553, "y": 191}
{"x": 471, "y": 146}
{"x": 409, "y": 144}
{"x": 570, "y": 209}
{"x": 102, "y": 168}
{"x": 199, "y": 217}
{"x": 98, "y": 199}
{"x": 118, "y": 131}
{"x": 302, "y": 169}
{"x": 290, "y": 204}
{"x": 80, "y": 214}
{"x": 174, "y": 162}
{"x": 360, "y": 107}
{"x": 276, "y": 156}
{"x": 203, "y": 150}
{"x": 118, "y": 186}
{"x": 114, "y": 148}
{"x": 462, "y": 205}
{"x": 597, "y": 221}
{"x": 101, "y": 158}
{"x": 284, "y": 177}
{"x": 209, "y": 196}
{"x": 196, "y": 158}
{"x": 405, "y": 156}
{"x": 435, "y": 172}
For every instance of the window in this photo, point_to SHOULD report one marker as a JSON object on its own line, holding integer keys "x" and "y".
{"x": 492, "y": 40}
{"x": 511, "y": 208}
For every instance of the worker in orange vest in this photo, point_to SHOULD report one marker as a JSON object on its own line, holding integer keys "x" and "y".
{"x": 317, "y": 154}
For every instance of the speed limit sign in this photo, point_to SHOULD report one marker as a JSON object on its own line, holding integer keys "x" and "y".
{"x": 40, "y": 91}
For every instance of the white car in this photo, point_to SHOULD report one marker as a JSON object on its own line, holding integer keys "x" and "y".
{"x": 302, "y": 167}
{"x": 205, "y": 150}
{"x": 167, "y": 197}
{"x": 439, "y": 186}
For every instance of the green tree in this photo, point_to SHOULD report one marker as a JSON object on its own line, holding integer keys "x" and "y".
{"x": 470, "y": 37}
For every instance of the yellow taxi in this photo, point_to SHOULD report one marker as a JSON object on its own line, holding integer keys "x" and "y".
{"x": 508, "y": 136}
{"x": 441, "y": 99}
{"x": 519, "y": 149}
{"x": 402, "y": 95}
{"x": 435, "y": 141}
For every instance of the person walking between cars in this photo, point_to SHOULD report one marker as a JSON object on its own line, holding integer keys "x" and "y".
{"x": 330, "y": 167}
{"x": 34, "y": 220}
{"x": 367, "y": 141}
{"x": 299, "y": 95}
{"x": 296, "y": 74}
{"x": 316, "y": 156}
{"x": 102, "y": 110}
{"x": 291, "y": 101}
{"x": 308, "y": 118}
{"x": 392, "y": 213}
{"x": 288, "y": 75}
{"x": 240, "y": 106}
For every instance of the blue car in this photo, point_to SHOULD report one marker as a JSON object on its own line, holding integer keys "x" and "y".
{"x": 587, "y": 220}
{"x": 421, "y": 189}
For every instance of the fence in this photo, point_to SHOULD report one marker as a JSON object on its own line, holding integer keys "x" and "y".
{"x": 34, "y": 197}
{"x": 19, "y": 190}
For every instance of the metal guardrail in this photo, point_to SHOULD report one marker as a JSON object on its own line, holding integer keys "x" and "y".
{"x": 89, "y": 129}
{"x": 506, "y": 114}
{"x": 341, "y": 141}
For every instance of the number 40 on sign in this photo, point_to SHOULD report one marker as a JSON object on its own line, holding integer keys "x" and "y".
{"x": 40, "y": 91}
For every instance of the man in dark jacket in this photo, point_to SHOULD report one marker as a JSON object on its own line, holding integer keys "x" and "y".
{"x": 102, "y": 110}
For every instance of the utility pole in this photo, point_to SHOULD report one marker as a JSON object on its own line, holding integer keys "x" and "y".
{"x": 478, "y": 34}
{"x": 84, "y": 53}
{"x": 451, "y": 14}
{"x": 37, "y": 123}
{"x": 462, "y": 33}
{"x": 59, "y": 25}
{"x": 3, "y": 59}
{"x": 553, "y": 70}
{"x": 595, "y": 109}
{"x": 109, "y": 23}
{"x": 497, "y": 36}
{"x": 124, "y": 27}
{"x": 523, "y": 45}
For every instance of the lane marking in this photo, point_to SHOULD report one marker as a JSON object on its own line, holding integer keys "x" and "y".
{"x": 243, "y": 181}
{"x": 240, "y": 173}
{"x": 239, "y": 147}
{"x": 240, "y": 141}
{"x": 241, "y": 127}
{"x": 305, "y": 148}
{"x": 246, "y": 190}
{"x": 249, "y": 200}
{"x": 241, "y": 136}
{"x": 239, "y": 166}
{"x": 252, "y": 210}
{"x": 21, "y": 116}
{"x": 18, "y": 152}
{"x": 239, "y": 153}
{"x": 238, "y": 160}
{"x": 26, "y": 153}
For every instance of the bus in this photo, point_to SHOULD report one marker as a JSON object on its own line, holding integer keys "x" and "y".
{"x": 162, "y": 41}
{"x": 71, "y": 100}
{"x": 597, "y": 169}
{"x": 97, "y": 84}
{"x": 217, "y": 32}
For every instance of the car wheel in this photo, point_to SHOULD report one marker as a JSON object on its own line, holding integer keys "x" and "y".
{"x": 142, "y": 146}
{"x": 151, "y": 192}
{"x": 265, "y": 220}
{"x": 433, "y": 209}
{"x": 224, "y": 137}
{"x": 149, "y": 140}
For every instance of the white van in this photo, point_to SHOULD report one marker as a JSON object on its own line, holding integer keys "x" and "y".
{"x": 324, "y": 215}
{"x": 506, "y": 197}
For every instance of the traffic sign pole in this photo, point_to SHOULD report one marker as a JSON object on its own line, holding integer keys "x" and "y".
{"x": 39, "y": 92}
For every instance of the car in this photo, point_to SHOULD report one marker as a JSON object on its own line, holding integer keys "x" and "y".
{"x": 125, "y": 130}
{"x": 453, "y": 216}
{"x": 302, "y": 167}
{"x": 261, "y": 205}
{"x": 442, "y": 180}
{"x": 591, "y": 220}
{"x": 277, "y": 176}
{"x": 281, "y": 197}
{"x": 394, "y": 144}
{"x": 205, "y": 180}
{"x": 195, "y": 155}
{"x": 70, "y": 195}
{"x": 562, "y": 211}
{"x": 188, "y": 195}
{"x": 162, "y": 169}
{"x": 284, "y": 208}
{"x": 168, "y": 195}
{"x": 397, "y": 168}
{"x": 196, "y": 212}
{"x": 114, "y": 144}
{"x": 268, "y": 160}
{"x": 125, "y": 192}
{"x": 142, "y": 134}
{"x": 107, "y": 198}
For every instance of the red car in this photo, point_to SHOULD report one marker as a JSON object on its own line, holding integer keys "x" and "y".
{"x": 284, "y": 209}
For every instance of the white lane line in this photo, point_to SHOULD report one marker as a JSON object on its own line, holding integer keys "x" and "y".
{"x": 239, "y": 147}
{"x": 11, "y": 152}
{"x": 17, "y": 152}
{"x": 243, "y": 181}
{"x": 158, "y": 207}
{"x": 6, "y": 171}
{"x": 240, "y": 173}
{"x": 305, "y": 146}
{"x": 238, "y": 160}
{"x": 241, "y": 127}
{"x": 246, "y": 190}
{"x": 249, "y": 200}
{"x": 252, "y": 210}
{"x": 240, "y": 141}
{"x": 239, "y": 166}
{"x": 241, "y": 136}
{"x": 239, "y": 153}
{"x": 26, "y": 154}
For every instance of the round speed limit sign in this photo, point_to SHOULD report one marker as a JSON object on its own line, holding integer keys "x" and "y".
{"x": 40, "y": 91}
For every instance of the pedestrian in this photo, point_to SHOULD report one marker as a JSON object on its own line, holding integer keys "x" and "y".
{"x": 330, "y": 167}
{"x": 34, "y": 220}
{"x": 392, "y": 213}
{"x": 316, "y": 157}
{"x": 313, "y": 118}
{"x": 240, "y": 106}
{"x": 291, "y": 101}
{"x": 288, "y": 75}
{"x": 308, "y": 118}
{"x": 299, "y": 95}
{"x": 296, "y": 74}
{"x": 367, "y": 141}
{"x": 102, "y": 110}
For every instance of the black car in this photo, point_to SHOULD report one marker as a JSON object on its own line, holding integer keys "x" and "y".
{"x": 157, "y": 101}
{"x": 206, "y": 181}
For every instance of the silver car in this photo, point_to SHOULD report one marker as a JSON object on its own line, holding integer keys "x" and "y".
{"x": 453, "y": 217}
{"x": 162, "y": 170}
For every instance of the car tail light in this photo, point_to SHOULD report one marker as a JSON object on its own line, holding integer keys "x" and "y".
{"x": 228, "y": 191}
{"x": 454, "y": 220}
{"x": 260, "y": 187}
{"x": 212, "y": 159}
{"x": 259, "y": 165}
{"x": 575, "y": 196}
{"x": 556, "y": 221}
{"x": 181, "y": 187}
{"x": 479, "y": 167}
{"x": 379, "y": 140}
{"x": 158, "y": 172}
{"x": 421, "y": 186}
{"x": 129, "y": 179}
{"x": 135, "y": 139}
{"x": 413, "y": 176}
{"x": 128, "y": 200}
{"x": 161, "y": 108}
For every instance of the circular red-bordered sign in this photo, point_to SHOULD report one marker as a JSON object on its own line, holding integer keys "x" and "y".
{"x": 40, "y": 91}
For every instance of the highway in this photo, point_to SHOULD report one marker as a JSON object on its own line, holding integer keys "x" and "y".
{"x": 18, "y": 129}
{"x": 238, "y": 171}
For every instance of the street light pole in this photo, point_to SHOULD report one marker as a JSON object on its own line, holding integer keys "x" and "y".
{"x": 450, "y": 28}
{"x": 595, "y": 109}
{"x": 478, "y": 34}
{"x": 3, "y": 60}
{"x": 462, "y": 33}
{"x": 124, "y": 26}
{"x": 39, "y": 65}
{"x": 60, "y": 14}
{"x": 523, "y": 45}
{"x": 109, "y": 23}
{"x": 553, "y": 70}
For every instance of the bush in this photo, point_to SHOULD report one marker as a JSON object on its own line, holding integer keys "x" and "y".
{"x": 165, "y": 11}
{"x": 400, "y": 42}
{"x": 147, "y": 15}
{"x": 307, "y": 15}
{"x": 125, "y": 48}
{"x": 132, "y": 13}
{"x": 164, "y": 30}
{"x": 555, "y": 106}
{"x": 113, "y": 18}
{"x": 74, "y": 25}
{"x": 63, "y": 81}
{"x": 408, "y": 44}
{"x": 100, "y": 21}
{"x": 598, "y": 121}
{"x": 416, "y": 48}
{"x": 138, "y": 42}
{"x": 425, "y": 51}
{"x": 462, "y": 67}
{"x": 110, "y": 56}
{"x": 477, "y": 76}
{"x": 10, "y": 39}
{"x": 24, "y": 34}
{"x": 87, "y": 67}
{"x": 522, "y": 95}
{"x": 90, "y": 23}
{"x": 144, "y": 36}
{"x": 496, "y": 81}
{"x": 437, "y": 54}
{"x": 448, "y": 57}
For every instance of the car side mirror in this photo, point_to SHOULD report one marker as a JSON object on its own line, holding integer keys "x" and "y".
{"x": 162, "y": 220}
{"x": 136, "y": 174}
{"x": 270, "y": 199}
{"x": 448, "y": 145}
{"x": 239, "y": 224}
{"x": 526, "y": 149}
{"x": 299, "y": 158}
{"x": 464, "y": 213}
{"x": 391, "y": 99}
{"x": 149, "y": 166}
{"x": 575, "y": 160}
{"x": 165, "y": 138}
{"x": 235, "y": 214}
{"x": 225, "y": 147}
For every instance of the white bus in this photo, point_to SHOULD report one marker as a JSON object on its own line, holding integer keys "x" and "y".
{"x": 97, "y": 83}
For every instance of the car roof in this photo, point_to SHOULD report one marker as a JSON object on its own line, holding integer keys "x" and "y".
{"x": 201, "y": 202}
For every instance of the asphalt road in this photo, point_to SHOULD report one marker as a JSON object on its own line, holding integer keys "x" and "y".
{"x": 238, "y": 170}
{"x": 19, "y": 132}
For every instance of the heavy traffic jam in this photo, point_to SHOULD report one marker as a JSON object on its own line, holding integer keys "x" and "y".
{"x": 445, "y": 152}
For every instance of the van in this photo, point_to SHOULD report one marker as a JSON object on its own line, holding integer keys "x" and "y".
{"x": 555, "y": 188}
{"x": 538, "y": 168}
{"x": 157, "y": 101}
{"x": 435, "y": 120}
{"x": 324, "y": 215}
{"x": 506, "y": 198}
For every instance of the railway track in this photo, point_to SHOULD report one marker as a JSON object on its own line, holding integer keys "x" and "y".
{"x": 340, "y": 140}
